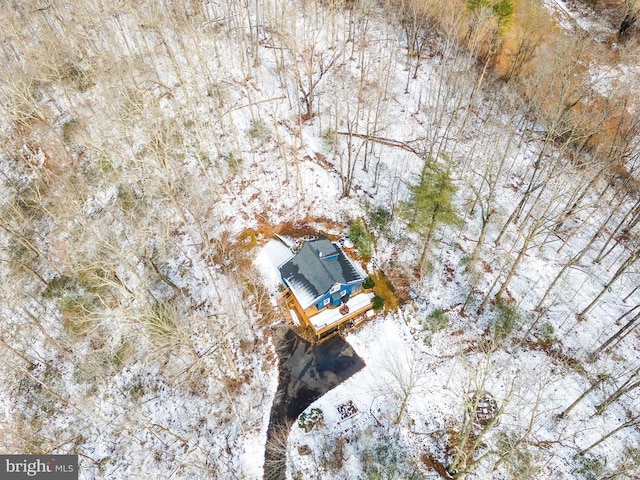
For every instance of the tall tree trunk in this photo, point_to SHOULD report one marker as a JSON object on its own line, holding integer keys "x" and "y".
{"x": 480, "y": 242}
{"x": 621, "y": 270}
{"x": 427, "y": 240}
{"x": 630, "y": 324}
{"x": 570, "y": 263}
{"x": 634, "y": 213}
{"x": 593, "y": 386}
{"x": 629, "y": 423}
{"x": 625, "y": 388}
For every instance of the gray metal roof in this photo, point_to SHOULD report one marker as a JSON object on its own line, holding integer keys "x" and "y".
{"x": 317, "y": 267}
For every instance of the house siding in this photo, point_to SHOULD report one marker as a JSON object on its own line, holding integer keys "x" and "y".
{"x": 335, "y": 298}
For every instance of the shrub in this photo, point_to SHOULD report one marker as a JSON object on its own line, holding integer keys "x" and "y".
{"x": 259, "y": 130}
{"x": 58, "y": 286}
{"x": 361, "y": 238}
{"x": 81, "y": 78}
{"x": 122, "y": 355}
{"x": 589, "y": 468}
{"x": 76, "y": 299}
{"x": 76, "y": 316}
{"x": 436, "y": 321}
{"x": 333, "y": 455}
{"x": 380, "y": 218}
{"x": 547, "y": 333}
{"x": 105, "y": 164}
{"x": 160, "y": 320}
{"x": 368, "y": 283}
{"x": 381, "y": 460}
{"x": 308, "y": 421}
{"x": 329, "y": 137}
{"x": 507, "y": 318}
{"x": 68, "y": 129}
{"x": 127, "y": 199}
{"x": 234, "y": 163}
{"x": 28, "y": 199}
{"x": 378, "y": 302}
{"x": 519, "y": 462}
{"x": 135, "y": 388}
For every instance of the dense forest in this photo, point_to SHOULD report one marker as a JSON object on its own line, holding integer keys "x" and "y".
{"x": 484, "y": 151}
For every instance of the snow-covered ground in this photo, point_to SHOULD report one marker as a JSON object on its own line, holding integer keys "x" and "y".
{"x": 576, "y": 16}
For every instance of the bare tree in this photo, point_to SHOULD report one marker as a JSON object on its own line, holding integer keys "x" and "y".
{"x": 632, "y": 382}
{"x": 311, "y": 64}
{"x": 481, "y": 412}
{"x": 596, "y": 383}
{"x": 402, "y": 375}
{"x": 620, "y": 334}
{"x": 631, "y": 422}
{"x": 631, "y": 259}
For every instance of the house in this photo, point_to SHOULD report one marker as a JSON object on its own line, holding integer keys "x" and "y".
{"x": 321, "y": 276}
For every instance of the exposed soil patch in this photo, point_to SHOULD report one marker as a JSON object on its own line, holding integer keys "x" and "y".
{"x": 385, "y": 289}
{"x": 554, "y": 350}
{"x": 400, "y": 283}
{"x": 434, "y": 464}
{"x": 308, "y": 226}
{"x": 466, "y": 443}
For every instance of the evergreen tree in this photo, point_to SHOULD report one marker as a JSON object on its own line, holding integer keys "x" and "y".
{"x": 431, "y": 204}
{"x": 502, "y": 9}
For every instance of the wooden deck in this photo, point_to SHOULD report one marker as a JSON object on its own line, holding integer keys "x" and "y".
{"x": 328, "y": 319}
{"x": 286, "y": 301}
